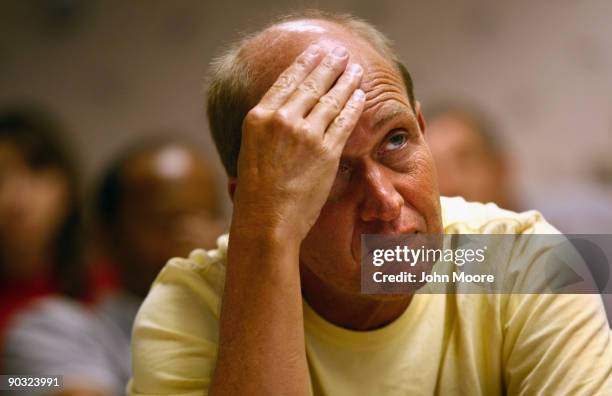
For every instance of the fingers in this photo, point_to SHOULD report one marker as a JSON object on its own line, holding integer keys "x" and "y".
{"x": 290, "y": 79}
{"x": 330, "y": 105}
{"x": 317, "y": 83}
{"x": 342, "y": 126}
{"x": 314, "y": 96}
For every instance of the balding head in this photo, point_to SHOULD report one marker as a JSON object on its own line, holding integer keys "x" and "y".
{"x": 153, "y": 170}
{"x": 242, "y": 75}
{"x": 267, "y": 54}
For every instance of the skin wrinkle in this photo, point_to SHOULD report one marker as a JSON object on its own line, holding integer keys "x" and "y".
{"x": 381, "y": 97}
{"x": 270, "y": 53}
{"x": 375, "y": 79}
{"x": 405, "y": 198}
{"x": 366, "y": 142}
{"x": 381, "y": 87}
{"x": 388, "y": 116}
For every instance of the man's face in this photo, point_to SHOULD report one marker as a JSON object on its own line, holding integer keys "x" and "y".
{"x": 169, "y": 208}
{"x": 386, "y": 182}
{"x": 466, "y": 167}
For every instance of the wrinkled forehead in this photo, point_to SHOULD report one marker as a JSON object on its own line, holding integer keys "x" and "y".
{"x": 272, "y": 51}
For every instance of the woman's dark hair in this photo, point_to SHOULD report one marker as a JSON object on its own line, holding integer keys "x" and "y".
{"x": 38, "y": 137}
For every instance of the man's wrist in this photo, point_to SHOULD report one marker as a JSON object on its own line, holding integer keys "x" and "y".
{"x": 263, "y": 237}
{"x": 268, "y": 230}
{"x": 264, "y": 253}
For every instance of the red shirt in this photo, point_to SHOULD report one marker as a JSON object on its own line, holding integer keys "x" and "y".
{"x": 16, "y": 294}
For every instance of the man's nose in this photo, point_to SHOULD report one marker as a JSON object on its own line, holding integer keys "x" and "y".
{"x": 381, "y": 200}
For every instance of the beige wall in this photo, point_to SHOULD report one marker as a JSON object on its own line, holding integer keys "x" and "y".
{"x": 116, "y": 70}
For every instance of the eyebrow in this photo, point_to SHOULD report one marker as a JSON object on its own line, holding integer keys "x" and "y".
{"x": 387, "y": 115}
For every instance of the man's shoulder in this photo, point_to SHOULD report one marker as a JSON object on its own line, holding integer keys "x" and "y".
{"x": 175, "y": 332}
{"x": 202, "y": 268}
{"x": 184, "y": 284}
{"x": 461, "y": 216}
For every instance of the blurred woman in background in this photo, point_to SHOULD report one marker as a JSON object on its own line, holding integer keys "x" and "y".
{"x": 156, "y": 200}
{"x": 40, "y": 221}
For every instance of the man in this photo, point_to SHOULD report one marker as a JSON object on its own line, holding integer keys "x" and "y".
{"x": 469, "y": 160}
{"x": 472, "y": 163}
{"x": 156, "y": 201}
{"x": 331, "y": 146}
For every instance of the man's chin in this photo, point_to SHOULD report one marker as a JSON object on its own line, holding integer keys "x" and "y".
{"x": 354, "y": 288}
{"x": 387, "y": 297}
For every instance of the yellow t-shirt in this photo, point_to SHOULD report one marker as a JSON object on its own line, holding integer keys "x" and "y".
{"x": 455, "y": 344}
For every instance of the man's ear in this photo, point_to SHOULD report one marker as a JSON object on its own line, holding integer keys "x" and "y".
{"x": 420, "y": 116}
{"x": 231, "y": 186}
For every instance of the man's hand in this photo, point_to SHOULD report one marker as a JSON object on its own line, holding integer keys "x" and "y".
{"x": 292, "y": 141}
{"x": 291, "y": 146}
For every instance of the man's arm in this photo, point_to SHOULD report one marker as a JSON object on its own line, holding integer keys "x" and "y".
{"x": 291, "y": 146}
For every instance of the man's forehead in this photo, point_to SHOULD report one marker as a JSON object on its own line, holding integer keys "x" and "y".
{"x": 386, "y": 95}
{"x": 273, "y": 50}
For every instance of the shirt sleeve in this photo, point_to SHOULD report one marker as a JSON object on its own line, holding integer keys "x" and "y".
{"x": 174, "y": 347}
{"x": 557, "y": 344}
{"x": 554, "y": 344}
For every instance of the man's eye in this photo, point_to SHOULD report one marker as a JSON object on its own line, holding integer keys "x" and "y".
{"x": 396, "y": 141}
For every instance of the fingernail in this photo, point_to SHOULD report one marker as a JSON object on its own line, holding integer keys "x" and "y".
{"x": 354, "y": 68}
{"x": 359, "y": 94}
{"x": 313, "y": 50}
{"x": 340, "y": 52}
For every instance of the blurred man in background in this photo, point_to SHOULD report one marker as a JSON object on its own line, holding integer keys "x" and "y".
{"x": 469, "y": 157}
{"x": 157, "y": 201}
{"x": 472, "y": 162}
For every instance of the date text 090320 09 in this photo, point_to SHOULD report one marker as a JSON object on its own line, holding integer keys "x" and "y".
{"x": 14, "y": 382}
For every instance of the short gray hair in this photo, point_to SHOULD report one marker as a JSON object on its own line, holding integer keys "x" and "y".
{"x": 230, "y": 93}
